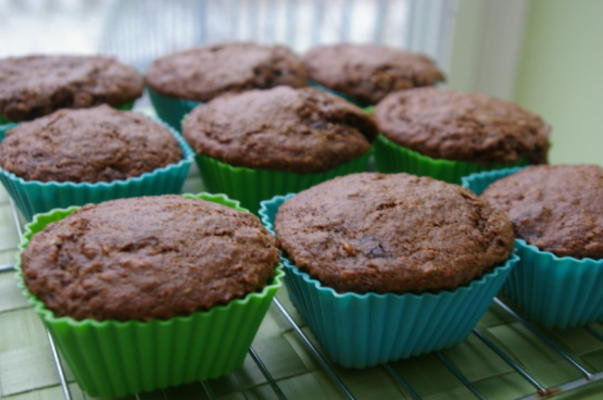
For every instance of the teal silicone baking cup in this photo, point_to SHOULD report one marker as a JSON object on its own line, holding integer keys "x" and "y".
{"x": 115, "y": 358}
{"x": 391, "y": 157}
{"x": 363, "y": 330}
{"x": 32, "y": 197}
{"x": 171, "y": 109}
{"x": 559, "y": 292}
{"x": 252, "y": 185}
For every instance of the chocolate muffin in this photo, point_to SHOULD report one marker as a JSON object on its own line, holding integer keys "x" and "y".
{"x": 299, "y": 130}
{"x": 557, "y": 208}
{"x": 37, "y": 85}
{"x": 148, "y": 257}
{"x": 396, "y": 233}
{"x": 463, "y": 126}
{"x": 206, "y": 72}
{"x": 369, "y": 72}
{"x": 88, "y": 145}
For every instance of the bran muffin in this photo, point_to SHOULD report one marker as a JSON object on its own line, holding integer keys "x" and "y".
{"x": 557, "y": 208}
{"x": 369, "y": 72}
{"x": 98, "y": 144}
{"x": 298, "y": 130}
{"x": 395, "y": 233}
{"x": 36, "y": 85}
{"x": 463, "y": 127}
{"x": 204, "y": 73}
{"x": 147, "y": 258}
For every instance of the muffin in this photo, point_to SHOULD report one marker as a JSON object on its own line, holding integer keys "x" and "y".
{"x": 171, "y": 280}
{"x": 366, "y": 73}
{"x": 178, "y": 82}
{"x": 447, "y": 135}
{"x": 557, "y": 215}
{"x": 72, "y": 157}
{"x": 37, "y": 85}
{"x": 401, "y": 264}
{"x": 557, "y": 208}
{"x": 259, "y": 143}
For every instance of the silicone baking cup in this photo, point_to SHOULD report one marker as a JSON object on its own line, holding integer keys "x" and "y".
{"x": 252, "y": 185}
{"x": 391, "y": 157}
{"x": 171, "y": 109}
{"x": 116, "y": 358}
{"x": 32, "y": 197}
{"x": 363, "y": 330}
{"x": 558, "y": 292}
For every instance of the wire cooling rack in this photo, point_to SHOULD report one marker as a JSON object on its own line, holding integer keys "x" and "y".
{"x": 506, "y": 357}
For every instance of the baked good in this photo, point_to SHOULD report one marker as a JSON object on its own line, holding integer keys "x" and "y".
{"x": 206, "y": 72}
{"x": 299, "y": 130}
{"x": 88, "y": 145}
{"x": 557, "y": 208}
{"x": 148, "y": 257}
{"x": 463, "y": 126}
{"x": 396, "y": 233}
{"x": 36, "y": 85}
{"x": 369, "y": 72}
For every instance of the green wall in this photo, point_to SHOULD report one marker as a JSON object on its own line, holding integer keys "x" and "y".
{"x": 560, "y": 75}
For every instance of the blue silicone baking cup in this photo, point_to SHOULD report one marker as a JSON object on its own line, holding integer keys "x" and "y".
{"x": 171, "y": 109}
{"x": 363, "y": 330}
{"x": 33, "y": 197}
{"x": 557, "y": 292}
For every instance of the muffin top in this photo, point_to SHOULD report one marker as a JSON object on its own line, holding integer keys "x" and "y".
{"x": 557, "y": 208}
{"x": 300, "y": 130}
{"x": 37, "y": 85}
{"x": 148, "y": 257}
{"x": 206, "y": 72}
{"x": 369, "y": 72}
{"x": 463, "y": 126}
{"x": 394, "y": 233}
{"x": 88, "y": 145}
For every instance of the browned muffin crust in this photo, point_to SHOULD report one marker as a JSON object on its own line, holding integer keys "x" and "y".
{"x": 369, "y": 72}
{"x": 88, "y": 145}
{"x": 299, "y": 130}
{"x": 558, "y": 208}
{"x": 148, "y": 257}
{"x": 37, "y": 85}
{"x": 396, "y": 233}
{"x": 463, "y": 126}
{"x": 203, "y": 73}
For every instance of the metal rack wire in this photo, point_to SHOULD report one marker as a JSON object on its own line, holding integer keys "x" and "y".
{"x": 587, "y": 376}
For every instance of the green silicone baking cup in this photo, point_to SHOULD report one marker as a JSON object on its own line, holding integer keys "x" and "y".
{"x": 391, "y": 157}
{"x": 558, "y": 292}
{"x": 171, "y": 109}
{"x": 125, "y": 107}
{"x": 252, "y": 185}
{"x": 116, "y": 358}
{"x": 32, "y": 197}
